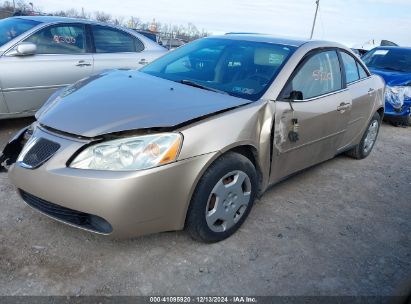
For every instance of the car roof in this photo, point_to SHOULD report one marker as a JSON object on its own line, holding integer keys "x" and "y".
{"x": 405, "y": 48}
{"x": 53, "y": 19}
{"x": 264, "y": 38}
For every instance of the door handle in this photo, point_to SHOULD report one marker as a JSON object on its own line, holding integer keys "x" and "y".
{"x": 371, "y": 91}
{"x": 143, "y": 61}
{"x": 343, "y": 106}
{"x": 82, "y": 63}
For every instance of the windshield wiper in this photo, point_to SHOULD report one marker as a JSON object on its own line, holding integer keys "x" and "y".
{"x": 200, "y": 86}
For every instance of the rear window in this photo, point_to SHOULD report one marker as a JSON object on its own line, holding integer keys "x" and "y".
{"x": 363, "y": 73}
{"x": 108, "y": 40}
{"x": 11, "y": 28}
{"x": 350, "y": 66}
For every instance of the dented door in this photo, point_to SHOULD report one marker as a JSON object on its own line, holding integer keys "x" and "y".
{"x": 321, "y": 128}
{"x": 311, "y": 115}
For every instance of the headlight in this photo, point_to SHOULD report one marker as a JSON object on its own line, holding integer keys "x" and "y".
{"x": 395, "y": 95}
{"x": 131, "y": 153}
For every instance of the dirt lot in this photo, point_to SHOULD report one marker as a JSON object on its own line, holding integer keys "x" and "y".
{"x": 340, "y": 228}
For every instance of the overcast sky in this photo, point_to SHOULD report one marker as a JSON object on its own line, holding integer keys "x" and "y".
{"x": 346, "y": 21}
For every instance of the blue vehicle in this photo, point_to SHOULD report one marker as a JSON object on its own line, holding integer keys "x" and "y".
{"x": 394, "y": 65}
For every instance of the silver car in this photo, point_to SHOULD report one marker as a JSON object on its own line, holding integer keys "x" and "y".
{"x": 39, "y": 55}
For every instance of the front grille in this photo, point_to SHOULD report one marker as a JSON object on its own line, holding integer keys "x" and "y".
{"x": 77, "y": 218}
{"x": 41, "y": 151}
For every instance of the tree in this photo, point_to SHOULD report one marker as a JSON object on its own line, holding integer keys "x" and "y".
{"x": 118, "y": 21}
{"x": 102, "y": 16}
{"x": 134, "y": 22}
{"x": 165, "y": 31}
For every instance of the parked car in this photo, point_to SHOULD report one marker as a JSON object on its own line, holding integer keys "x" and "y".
{"x": 40, "y": 54}
{"x": 362, "y": 48}
{"x": 172, "y": 43}
{"x": 190, "y": 140}
{"x": 394, "y": 65}
{"x": 149, "y": 34}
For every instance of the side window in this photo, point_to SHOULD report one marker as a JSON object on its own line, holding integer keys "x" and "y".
{"x": 139, "y": 45}
{"x": 108, "y": 40}
{"x": 350, "y": 65}
{"x": 319, "y": 75}
{"x": 60, "y": 39}
{"x": 363, "y": 73}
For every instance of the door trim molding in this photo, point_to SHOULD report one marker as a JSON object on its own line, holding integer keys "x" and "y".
{"x": 35, "y": 88}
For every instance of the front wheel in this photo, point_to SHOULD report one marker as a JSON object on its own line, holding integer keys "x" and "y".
{"x": 223, "y": 198}
{"x": 363, "y": 149}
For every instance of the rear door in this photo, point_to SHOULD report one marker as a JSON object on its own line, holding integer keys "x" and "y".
{"x": 62, "y": 58}
{"x": 316, "y": 105}
{"x": 115, "y": 49}
{"x": 362, "y": 94}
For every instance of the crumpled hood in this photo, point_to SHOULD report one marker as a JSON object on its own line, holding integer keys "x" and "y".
{"x": 393, "y": 78}
{"x": 122, "y": 100}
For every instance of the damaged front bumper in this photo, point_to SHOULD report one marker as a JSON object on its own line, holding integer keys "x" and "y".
{"x": 398, "y": 103}
{"x": 13, "y": 148}
{"x": 403, "y": 110}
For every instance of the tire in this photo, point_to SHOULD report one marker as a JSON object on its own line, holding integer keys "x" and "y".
{"x": 219, "y": 204}
{"x": 364, "y": 148}
{"x": 408, "y": 120}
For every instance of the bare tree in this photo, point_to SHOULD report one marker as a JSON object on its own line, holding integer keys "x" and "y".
{"x": 134, "y": 22}
{"x": 102, "y": 17}
{"x": 167, "y": 31}
{"x": 23, "y": 6}
{"x": 118, "y": 21}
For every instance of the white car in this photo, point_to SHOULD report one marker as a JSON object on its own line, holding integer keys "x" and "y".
{"x": 40, "y": 54}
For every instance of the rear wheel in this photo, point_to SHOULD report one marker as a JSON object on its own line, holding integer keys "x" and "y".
{"x": 364, "y": 148}
{"x": 223, "y": 198}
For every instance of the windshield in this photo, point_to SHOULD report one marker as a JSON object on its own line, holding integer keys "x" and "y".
{"x": 240, "y": 68}
{"x": 389, "y": 59}
{"x": 10, "y": 28}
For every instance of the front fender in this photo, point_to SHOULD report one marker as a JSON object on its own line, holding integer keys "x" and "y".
{"x": 248, "y": 125}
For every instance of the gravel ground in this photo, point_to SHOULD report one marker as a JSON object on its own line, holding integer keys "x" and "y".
{"x": 340, "y": 228}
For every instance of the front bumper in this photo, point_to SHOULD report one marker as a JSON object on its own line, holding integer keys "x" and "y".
{"x": 132, "y": 203}
{"x": 403, "y": 112}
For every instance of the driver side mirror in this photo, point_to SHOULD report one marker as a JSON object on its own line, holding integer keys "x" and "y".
{"x": 24, "y": 49}
{"x": 296, "y": 95}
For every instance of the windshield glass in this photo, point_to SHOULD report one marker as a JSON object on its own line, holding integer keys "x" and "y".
{"x": 240, "y": 68}
{"x": 10, "y": 28}
{"x": 389, "y": 59}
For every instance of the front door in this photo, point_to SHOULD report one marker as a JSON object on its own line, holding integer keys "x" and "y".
{"x": 311, "y": 115}
{"x": 62, "y": 58}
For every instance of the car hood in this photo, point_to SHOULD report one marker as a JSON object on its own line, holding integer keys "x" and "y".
{"x": 393, "y": 78}
{"x": 122, "y": 100}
